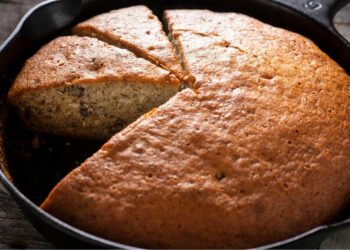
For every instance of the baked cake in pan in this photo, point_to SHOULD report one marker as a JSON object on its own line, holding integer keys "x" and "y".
{"x": 256, "y": 152}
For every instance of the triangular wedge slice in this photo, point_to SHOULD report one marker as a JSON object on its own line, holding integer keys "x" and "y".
{"x": 87, "y": 88}
{"x": 137, "y": 29}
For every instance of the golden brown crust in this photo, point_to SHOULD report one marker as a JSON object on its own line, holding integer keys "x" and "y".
{"x": 245, "y": 45}
{"x": 74, "y": 60}
{"x": 257, "y": 153}
{"x": 137, "y": 29}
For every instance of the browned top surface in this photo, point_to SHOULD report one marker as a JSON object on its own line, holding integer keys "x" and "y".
{"x": 137, "y": 29}
{"x": 74, "y": 60}
{"x": 237, "y": 44}
{"x": 15, "y": 229}
{"x": 257, "y": 153}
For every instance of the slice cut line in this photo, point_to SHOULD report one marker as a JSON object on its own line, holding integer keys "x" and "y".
{"x": 83, "y": 87}
{"x": 136, "y": 29}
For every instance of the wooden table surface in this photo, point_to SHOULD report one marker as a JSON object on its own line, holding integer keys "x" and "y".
{"x": 15, "y": 230}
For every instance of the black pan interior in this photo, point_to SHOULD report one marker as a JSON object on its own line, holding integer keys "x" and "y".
{"x": 36, "y": 162}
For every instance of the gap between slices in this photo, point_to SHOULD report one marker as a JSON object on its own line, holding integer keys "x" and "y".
{"x": 141, "y": 36}
{"x": 136, "y": 29}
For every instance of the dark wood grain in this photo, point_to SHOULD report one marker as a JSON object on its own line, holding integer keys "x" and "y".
{"x": 342, "y": 22}
{"x": 343, "y": 15}
{"x": 11, "y": 12}
{"x": 15, "y": 230}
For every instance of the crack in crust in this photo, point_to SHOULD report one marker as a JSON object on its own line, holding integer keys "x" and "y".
{"x": 223, "y": 43}
{"x": 147, "y": 40}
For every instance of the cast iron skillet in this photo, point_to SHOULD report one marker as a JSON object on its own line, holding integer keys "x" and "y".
{"x": 31, "y": 164}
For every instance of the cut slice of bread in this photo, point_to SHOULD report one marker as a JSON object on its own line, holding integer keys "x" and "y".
{"x": 137, "y": 29}
{"x": 84, "y": 87}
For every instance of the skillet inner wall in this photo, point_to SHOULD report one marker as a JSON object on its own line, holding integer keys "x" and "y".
{"x": 36, "y": 162}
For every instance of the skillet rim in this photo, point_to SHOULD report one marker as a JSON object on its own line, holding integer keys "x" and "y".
{"x": 57, "y": 224}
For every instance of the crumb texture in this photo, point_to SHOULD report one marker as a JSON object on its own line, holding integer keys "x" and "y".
{"x": 257, "y": 152}
{"x": 95, "y": 111}
{"x": 87, "y": 88}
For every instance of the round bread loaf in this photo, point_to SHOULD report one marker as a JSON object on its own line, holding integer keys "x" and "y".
{"x": 257, "y": 152}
